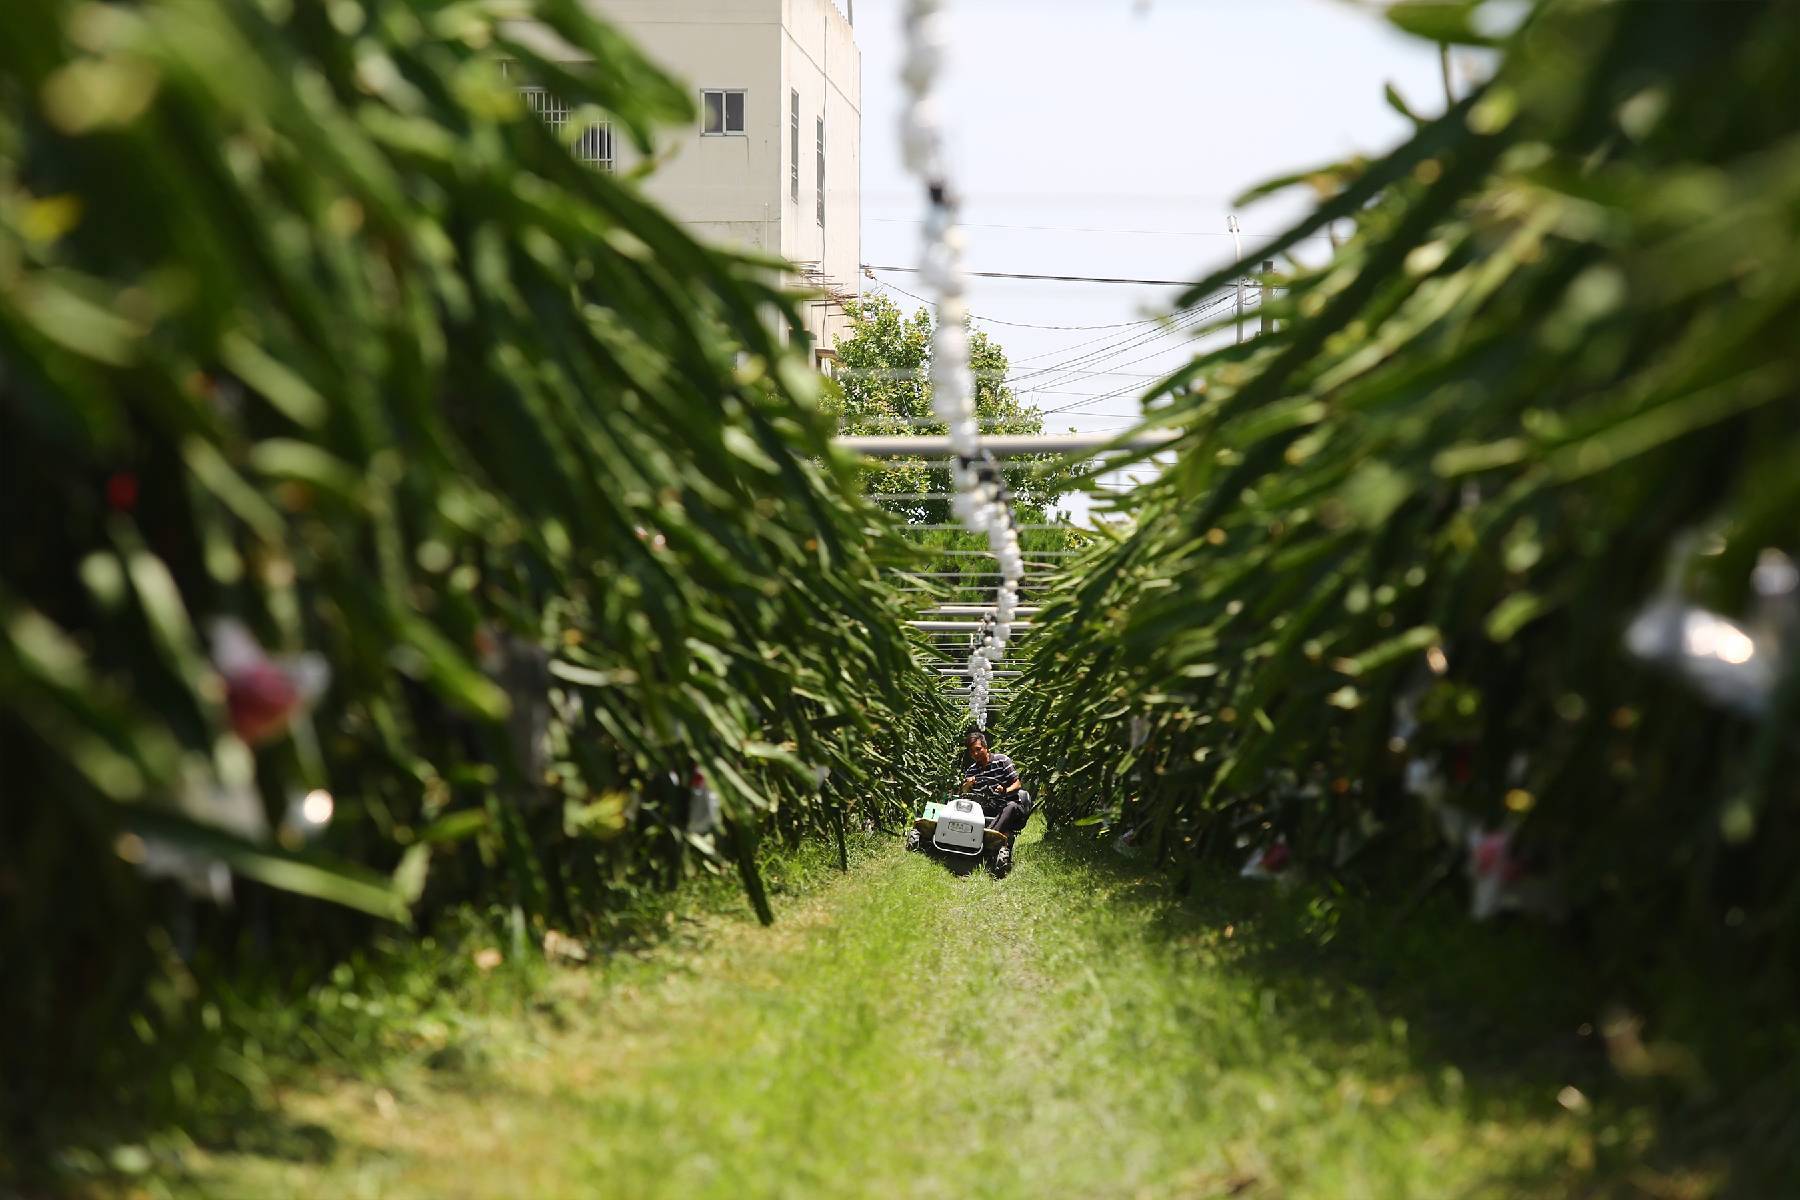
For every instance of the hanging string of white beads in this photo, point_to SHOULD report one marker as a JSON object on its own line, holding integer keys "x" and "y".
{"x": 981, "y": 501}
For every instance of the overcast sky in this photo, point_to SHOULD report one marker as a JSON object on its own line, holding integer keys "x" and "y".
{"x": 1107, "y": 137}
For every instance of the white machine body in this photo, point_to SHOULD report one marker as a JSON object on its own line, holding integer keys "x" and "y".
{"x": 961, "y": 827}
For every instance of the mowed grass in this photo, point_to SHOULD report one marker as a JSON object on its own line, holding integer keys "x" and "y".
{"x": 1072, "y": 1031}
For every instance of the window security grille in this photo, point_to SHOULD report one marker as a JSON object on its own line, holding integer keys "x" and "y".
{"x": 821, "y": 203}
{"x": 794, "y": 146}
{"x": 722, "y": 111}
{"x": 595, "y": 144}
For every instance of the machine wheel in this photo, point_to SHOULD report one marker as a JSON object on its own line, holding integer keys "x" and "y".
{"x": 913, "y": 841}
{"x": 1000, "y": 862}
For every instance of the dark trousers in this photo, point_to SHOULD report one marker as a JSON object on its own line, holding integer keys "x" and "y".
{"x": 1012, "y": 818}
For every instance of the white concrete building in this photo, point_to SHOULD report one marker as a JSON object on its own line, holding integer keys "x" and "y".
{"x": 774, "y": 163}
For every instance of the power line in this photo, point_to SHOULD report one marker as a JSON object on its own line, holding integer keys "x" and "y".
{"x": 1078, "y": 345}
{"x": 1065, "y": 371}
{"x": 1049, "y": 278}
{"x": 1037, "y": 391}
{"x": 1020, "y": 324}
{"x": 1182, "y": 323}
{"x": 1199, "y": 317}
{"x": 1319, "y": 237}
{"x": 920, "y": 375}
{"x": 1130, "y": 418}
{"x": 1060, "y": 372}
{"x": 1083, "y": 365}
{"x": 1080, "y": 406}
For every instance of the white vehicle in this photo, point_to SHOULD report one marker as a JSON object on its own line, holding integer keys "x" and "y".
{"x": 961, "y": 827}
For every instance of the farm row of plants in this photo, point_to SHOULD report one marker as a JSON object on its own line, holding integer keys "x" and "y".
{"x": 401, "y": 515}
{"x": 1474, "y": 574}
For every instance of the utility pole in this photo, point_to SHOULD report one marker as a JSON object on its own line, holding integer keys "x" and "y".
{"x": 1231, "y": 227}
{"x": 1268, "y": 322}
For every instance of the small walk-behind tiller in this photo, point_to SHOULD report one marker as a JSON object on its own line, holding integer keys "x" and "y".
{"x": 961, "y": 827}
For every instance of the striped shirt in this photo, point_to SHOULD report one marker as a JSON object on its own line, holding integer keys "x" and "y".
{"x": 998, "y": 772}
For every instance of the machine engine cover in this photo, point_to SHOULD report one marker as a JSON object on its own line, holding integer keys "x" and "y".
{"x": 960, "y": 826}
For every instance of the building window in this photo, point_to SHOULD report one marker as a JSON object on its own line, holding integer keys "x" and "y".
{"x": 794, "y": 146}
{"x": 722, "y": 111}
{"x": 594, "y": 146}
{"x": 821, "y": 205}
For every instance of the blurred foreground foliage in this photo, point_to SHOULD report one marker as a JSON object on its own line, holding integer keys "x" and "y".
{"x": 400, "y": 513}
{"x": 1543, "y": 403}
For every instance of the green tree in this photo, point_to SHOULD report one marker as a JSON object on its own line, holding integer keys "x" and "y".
{"x": 885, "y": 388}
{"x": 885, "y": 382}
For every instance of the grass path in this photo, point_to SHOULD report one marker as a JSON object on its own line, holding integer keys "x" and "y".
{"x": 1069, "y": 1032}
